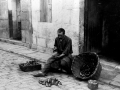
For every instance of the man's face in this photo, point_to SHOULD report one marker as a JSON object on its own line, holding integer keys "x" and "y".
{"x": 60, "y": 35}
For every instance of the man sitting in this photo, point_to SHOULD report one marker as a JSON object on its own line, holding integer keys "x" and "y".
{"x": 62, "y": 54}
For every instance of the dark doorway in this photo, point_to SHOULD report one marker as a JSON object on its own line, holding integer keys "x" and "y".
{"x": 112, "y": 27}
{"x": 14, "y": 19}
{"x": 18, "y": 20}
{"x": 10, "y": 24}
{"x": 93, "y": 25}
{"x": 102, "y": 27}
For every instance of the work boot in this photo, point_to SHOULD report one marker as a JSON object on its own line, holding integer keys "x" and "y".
{"x": 41, "y": 74}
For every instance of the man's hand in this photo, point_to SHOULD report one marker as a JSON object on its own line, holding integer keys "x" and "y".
{"x": 60, "y": 56}
{"x": 57, "y": 57}
{"x": 54, "y": 54}
{"x": 54, "y": 49}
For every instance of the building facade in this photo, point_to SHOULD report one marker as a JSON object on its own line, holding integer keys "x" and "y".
{"x": 36, "y": 21}
{"x": 93, "y": 25}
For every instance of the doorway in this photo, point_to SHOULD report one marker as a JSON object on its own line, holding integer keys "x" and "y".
{"x": 93, "y": 26}
{"x": 102, "y": 27}
{"x": 112, "y": 29}
{"x": 14, "y": 10}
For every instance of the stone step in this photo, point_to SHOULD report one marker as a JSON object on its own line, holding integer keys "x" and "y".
{"x": 108, "y": 74}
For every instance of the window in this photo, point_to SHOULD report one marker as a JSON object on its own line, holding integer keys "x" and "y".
{"x": 45, "y": 10}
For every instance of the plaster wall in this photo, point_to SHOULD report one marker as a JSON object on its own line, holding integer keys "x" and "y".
{"x": 4, "y": 29}
{"x": 26, "y": 21}
{"x": 67, "y": 14}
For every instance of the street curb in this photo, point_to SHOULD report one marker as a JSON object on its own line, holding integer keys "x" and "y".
{"x": 104, "y": 82}
{"x": 14, "y": 42}
{"x": 31, "y": 58}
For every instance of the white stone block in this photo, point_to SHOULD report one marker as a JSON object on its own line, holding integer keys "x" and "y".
{"x": 75, "y": 50}
{"x": 75, "y": 17}
{"x": 50, "y": 43}
{"x": 76, "y": 4}
{"x": 36, "y": 15}
{"x": 41, "y": 42}
{"x": 23, "y": 36}
{"x": 68, "y": 4}
{"x": 25, "y": 5}
{"x": 35, "y": 5}
{"x": 34, "y": 39}
{"x": 66, "y": 16}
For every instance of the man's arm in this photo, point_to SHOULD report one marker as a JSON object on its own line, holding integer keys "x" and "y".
{"x": 67, "y": 49}
{"x": 54, "y": 51}
{"x": 55, "y": 45}
{"x": 55, "y": 48}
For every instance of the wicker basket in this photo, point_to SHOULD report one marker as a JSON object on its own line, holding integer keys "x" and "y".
{"x": 30, "y": 66}
{"x": 86, "y": 66}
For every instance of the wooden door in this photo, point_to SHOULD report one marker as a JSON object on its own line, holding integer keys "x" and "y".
{"x": 112, "y": 28}
{"x": 102, "y": 27}
{"x": 93, "y": 25}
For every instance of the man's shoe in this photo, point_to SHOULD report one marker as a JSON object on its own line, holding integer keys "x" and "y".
{"x": 40, "y": 75}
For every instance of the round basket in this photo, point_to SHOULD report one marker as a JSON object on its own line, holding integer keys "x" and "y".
{"x": 86, "y": 65}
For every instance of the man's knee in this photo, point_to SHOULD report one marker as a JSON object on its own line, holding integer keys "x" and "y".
{"x": 50, "y": 60}
{"x": 63, "y": 63}
{"x": 64, "y": 66}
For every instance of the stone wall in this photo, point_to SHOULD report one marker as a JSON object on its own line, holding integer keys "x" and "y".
{"x": 26, "y": 21}
{"x": 4, "y": 29}
{"x": 68, "y": 14}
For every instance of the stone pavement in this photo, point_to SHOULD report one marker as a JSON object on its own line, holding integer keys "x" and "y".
{"x": 11, "y": 78}
{"x": 109, "y": 75}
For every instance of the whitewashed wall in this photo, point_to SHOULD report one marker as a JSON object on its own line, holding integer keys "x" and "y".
{"x": 67, "y": 14}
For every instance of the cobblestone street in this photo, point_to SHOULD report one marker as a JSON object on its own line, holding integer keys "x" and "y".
{"x": 11, "y": 78}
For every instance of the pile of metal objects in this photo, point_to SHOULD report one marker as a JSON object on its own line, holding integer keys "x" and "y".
{"x": 30, "y": 66}
{"x": 49, "y": 82}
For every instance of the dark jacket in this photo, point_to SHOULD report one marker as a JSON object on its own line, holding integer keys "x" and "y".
{"x": 64, "y": 45}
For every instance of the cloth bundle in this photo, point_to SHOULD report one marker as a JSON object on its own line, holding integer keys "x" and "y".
{"x": 50, "y": 81}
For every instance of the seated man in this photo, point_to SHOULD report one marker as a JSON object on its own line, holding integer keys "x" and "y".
{"x": 63, "y": 57}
